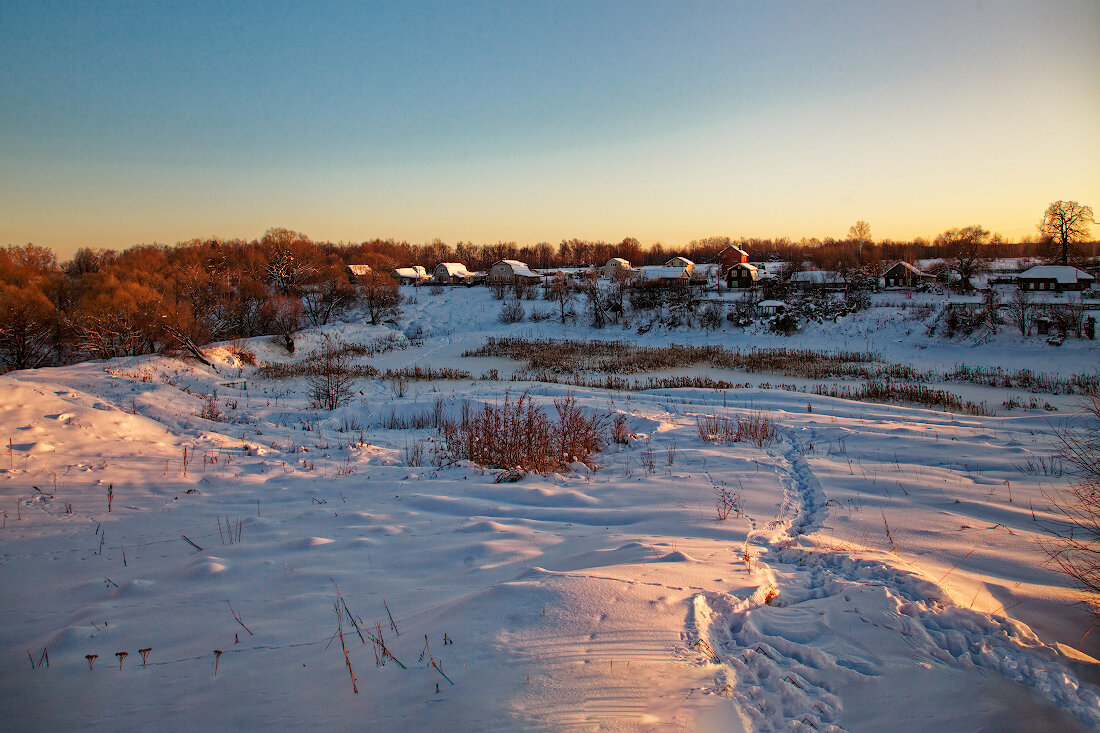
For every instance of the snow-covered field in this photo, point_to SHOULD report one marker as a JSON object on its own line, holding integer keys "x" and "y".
{"x": 883, "y": 574}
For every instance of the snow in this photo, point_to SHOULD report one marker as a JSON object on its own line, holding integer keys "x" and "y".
{"x": 611, "y": 598}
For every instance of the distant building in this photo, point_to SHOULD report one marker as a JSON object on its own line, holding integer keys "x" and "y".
{"x": 357, "y": 271}
{"x": 409, "y": 275}
{"x": 904, "y": 275}
{"x": 741, "y": 275}
{"x": 683, "y": 262}
{"x": 512, "y": 271}
{"x": 731, "y": 256}
{"x": 615, "y": 266}
{"x": 771, "y": 307}
{"x": 1054, "y": 279}
{"x": 817, "y": 280}
{"x": 451, "y": 273}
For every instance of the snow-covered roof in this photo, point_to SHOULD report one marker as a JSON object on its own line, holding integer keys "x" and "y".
{"x": 359, "y": 269}
{"x": 416, "y": 272}
{"x": 1065, "y": 274}
{"x": 519, "y": 268}
{"x": 772, "y": 304}
{"x": 618, "y": 261}
{"x": 734, "y": 248}
{"x": 906, "y": 266}
{"x": 453, "y": 269}
{"x": 816, "y": 276}
{"x": 662, "y": 272}
{"x": 679, "y": 261}
{"x": 743, "y": 266}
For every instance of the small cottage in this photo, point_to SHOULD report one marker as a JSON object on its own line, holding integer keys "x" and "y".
{"x": 741, "y": 275}
{"x": 409, "y": 275}
{"x": 357, "y": 271}
{"x": 731, "y": 256}
{"x": 683, "y": 262}
{"x": 512, "y": 271}
{"x": 904, "y": 275}
{"x": 1054, "y": 279}
{"x": 617, "y": 267}
{"x": 451, "y": 273}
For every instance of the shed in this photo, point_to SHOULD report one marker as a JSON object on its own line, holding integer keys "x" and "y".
{"x": 409, "y": 275}
{"x": 771, "y": 307}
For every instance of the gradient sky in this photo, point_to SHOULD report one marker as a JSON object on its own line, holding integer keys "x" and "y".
{"x": 124, "y": 123}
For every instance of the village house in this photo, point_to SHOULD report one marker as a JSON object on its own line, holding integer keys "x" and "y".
{"x": 617, "y": 266}
{"x": 741, "y": 275}
{"x": 904, "y": 275}
{"x": 1054, "y": 279}
{"x": 731, "y": 256}
{"x": 771, "y": 307}
{"x": 451, "y": 273}
{"x": 512, "y": 271}
{"x": 409, "y": 275}
{"x": 683, "y": 262}
{"x": 357, "y": 271}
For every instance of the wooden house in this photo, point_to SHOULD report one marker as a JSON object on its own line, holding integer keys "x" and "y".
{"x": 512, "y": 271}
{"x": 357, "y": 271}
{"x": 1054, "y": 279}
{"x": 617, "y": 267}
{"x": 731, "y": 256}
{"x": 741, "y": 275}
{"x": 904, "y": 275}
{"x": 451, "y": 273}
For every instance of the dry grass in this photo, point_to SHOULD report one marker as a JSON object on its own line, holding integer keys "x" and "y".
{"x": 516, "y": 433}
{"x": 756, "y": 427}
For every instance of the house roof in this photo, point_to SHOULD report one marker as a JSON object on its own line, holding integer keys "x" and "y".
{"x": 1065, "y": 274}
{"x": 453, "y": 268}
{"x": 359, "y": 269}
{"x": 771, "y": 303}
{"x": 414, "y": 273}
{"x": 743, "y": 266}
{"x": 734, "y": 248}
{"x": 905, "y": 266}
{"x": 617, "y": 261}
{"x": 816, "y": 276}
{"x": 659, "y": 272}
{"x": 679, "y": 260}
{"x": 518, "y": 268}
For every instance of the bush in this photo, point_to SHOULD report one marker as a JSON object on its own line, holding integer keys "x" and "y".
{"x": 330, "y": 376}
{"x": 512, "y": 312}
{"x": 1072, "y": 543}
{"x": 518, "y": 434}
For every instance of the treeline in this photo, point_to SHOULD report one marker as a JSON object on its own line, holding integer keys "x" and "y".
{"x": 107, "y": 303}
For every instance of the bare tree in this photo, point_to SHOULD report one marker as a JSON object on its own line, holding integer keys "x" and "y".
{"x": 967, "y": 252}
{"x": 1019, "y": 310}
{"x": 1066, "y": 222}
{"x": 330, "y": 376}
{"x": 560, "y": 290}
{"x": 380, "y": 294}
{"x": 283, "y": 316}
{"x": 27, "y": 319}
{"x": 860, "y": 232}
{"x": 1072, "y": 543}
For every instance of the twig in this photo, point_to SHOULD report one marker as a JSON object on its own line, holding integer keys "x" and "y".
{"x": 347, "y": 659}
{"x": 191, "y": 543}
{"x": 432, "y": 660}
{"x": 238, "y": 618}
{"x": 392, "y": 624}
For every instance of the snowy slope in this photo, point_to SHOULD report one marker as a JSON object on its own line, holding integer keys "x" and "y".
{"x": 884, "y": 570}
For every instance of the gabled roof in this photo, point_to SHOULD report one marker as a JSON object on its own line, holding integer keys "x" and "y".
{"x": 743, "y": 266}
{"x": 658, "y": 272}
{"x": 454, "y": 269}
{"x": 359, "y": 269}
{"x": 518, "y": 268}
{"x": 617, "y": 261}
{"x": 906, "y": 266}
{"x": 678, "y": 261}
{"x": 1065, "y": 274}
{"x": 416, "y": 272}
{"x": 735, "y": 249}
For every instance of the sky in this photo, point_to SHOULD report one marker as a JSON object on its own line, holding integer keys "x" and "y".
{"x": 126, "y": 123}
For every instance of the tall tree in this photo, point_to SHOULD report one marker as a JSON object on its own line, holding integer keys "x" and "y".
{"x": 966, "y": 251}
{"x": 1066, "y": 222}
